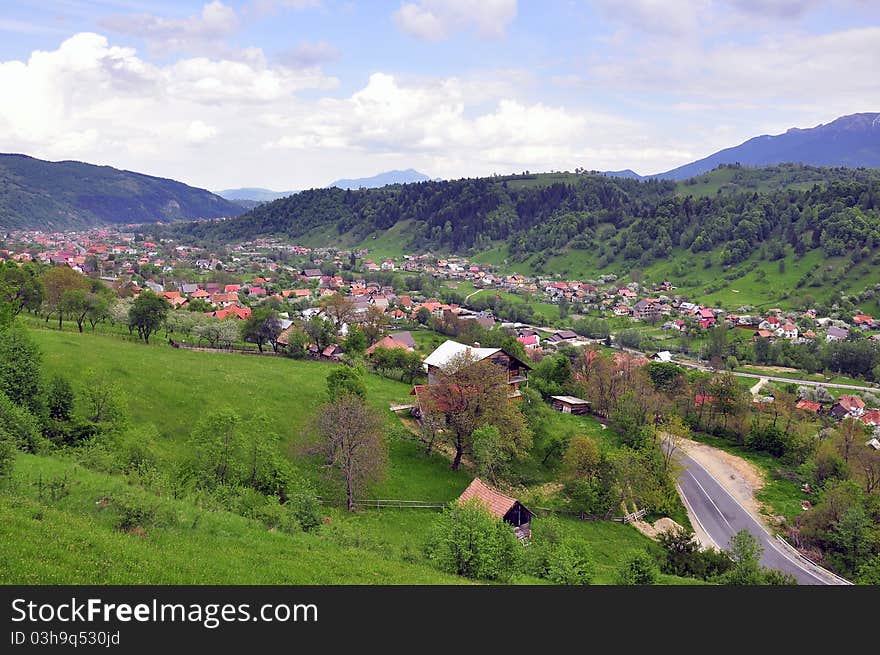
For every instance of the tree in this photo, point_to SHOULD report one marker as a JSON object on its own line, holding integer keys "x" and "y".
{"x": 350, "y": 439}
{"x": 423, "y": 315}
{"x": 215, "y": 448}
{"x": 468, "y": 540}
{"x": 7, "y": 454}
{"x": 58, "y": 281}
{"x": 59, "y": 399}
{"x": 571, "y": 564}
{"x": 745, "y": 552}
{"x": 375, "y": 324}
{"x": 489, "y": 453}
{"x": 103, "y": 401}
{"x": 345, "y": 380}
{"x": 637, "y": 568}
{"x": 470, "y": 394}
{"x": 340, "y": 309}
{"x": 147, "y": 314}
{"x": 321, "y": 331}
{"x": 262, "y": 326}
{"x": 355, "y": 342}
{"x": 20, "y": 369}
{"x": 21, "y": 287}
{"x": 673, "y": 432}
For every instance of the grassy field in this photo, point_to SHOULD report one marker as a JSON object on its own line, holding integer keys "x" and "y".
{"x": 54, "y": 530}
{"x": 48, "y": 539}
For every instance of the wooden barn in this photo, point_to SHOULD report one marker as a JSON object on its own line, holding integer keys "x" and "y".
{"x": 570, "y": 405}
{"x": 504, "y": 507}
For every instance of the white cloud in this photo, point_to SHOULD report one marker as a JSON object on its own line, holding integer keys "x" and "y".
{"x": 210, "y": 29}
{"x": 308, "y": 54}
{"x": 199, "y": 132}
{"x": 672, "y": 17}
{"x": 437, "y": 20}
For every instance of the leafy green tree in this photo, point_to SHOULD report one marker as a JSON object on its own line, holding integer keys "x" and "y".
{"x": 7, "y": 454}
{"x": 637, "y": 568}
{"x": 321, "y": 331}
{"x": 58, "y": 281}
{"x": 20, "y": 369}
{"x": 20, "y": 426}
{"x": 869, "y": 571}
{"x": 215, "y": 448}
{"x": 21, "y": 287}
{"x": 745, "y": 552}
{"x": 468, "y": 540}
{"x": 571, "y": 564}
{"x": 423, "y": 315}
{"x": 59, "y": 399}
{"x": 469, "y": 394}
{"x": 261, "y": 327}
{"x": 147, "y": 314}
{"x": 355, "y": 342}
{"x": 345, "y": 380}
{"x": 490, "y": 456}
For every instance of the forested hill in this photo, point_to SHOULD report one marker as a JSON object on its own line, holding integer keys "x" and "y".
{"x": 60, "y": 195}
{"x": 606, "y": 219}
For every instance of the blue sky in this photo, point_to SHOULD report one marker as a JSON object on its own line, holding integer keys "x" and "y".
{"x": 290, "y": 94}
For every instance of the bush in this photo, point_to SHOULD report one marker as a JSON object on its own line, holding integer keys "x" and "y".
{"x": 468, "y": 540}
{"x": 638, "y": 568}
{"x": 306, "y": 509}
{"x": 133, "y": 512}
{"x": 683, "y": 557}
{"x": 570, "y": 564}
{"x": 7, "y": 454}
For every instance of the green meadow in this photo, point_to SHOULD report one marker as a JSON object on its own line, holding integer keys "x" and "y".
{"x": 57, "y": 519}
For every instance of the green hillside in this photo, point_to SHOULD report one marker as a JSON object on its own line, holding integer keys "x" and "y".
{"x": 39, "y": 194}
{"x": 60, "y": 513}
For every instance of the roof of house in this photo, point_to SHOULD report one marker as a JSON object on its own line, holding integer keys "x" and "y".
{"x": 808, "y": 405}
{"x": 571, "y": 400}
{"x": 450, "y": 349}
{"x": 530, "y": 340}
{"x": 871, "y": 417}
{"x": 495, "y": 501}
{"x": 566, "y": 334}
{"x": 405, "y": 338}
{"x": 851, "y": 402}
{"x": 387, "y": 342}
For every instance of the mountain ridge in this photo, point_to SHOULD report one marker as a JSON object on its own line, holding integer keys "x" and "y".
{"x": 35, "y": 193}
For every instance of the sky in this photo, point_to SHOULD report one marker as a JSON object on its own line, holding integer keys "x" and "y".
{"x": 293, "y": 94}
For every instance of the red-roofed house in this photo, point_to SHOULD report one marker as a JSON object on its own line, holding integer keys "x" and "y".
{"x": 871, "y": 417}
{"x": 809, "y": 406}
{"x": 530, "y": 342}
{"x": 853, "y": 405}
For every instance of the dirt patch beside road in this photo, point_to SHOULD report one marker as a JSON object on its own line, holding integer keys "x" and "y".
{"x": 740, "y": 478}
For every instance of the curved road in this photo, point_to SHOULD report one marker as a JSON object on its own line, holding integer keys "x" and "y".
{"x": 721, "y": 517}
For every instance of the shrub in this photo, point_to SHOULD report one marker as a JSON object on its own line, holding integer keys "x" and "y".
{"x": 570, "y": 564}
{"x": 133, "y": 511}
{"x": 638, "y": 568}
{"x": 468, "y": 540}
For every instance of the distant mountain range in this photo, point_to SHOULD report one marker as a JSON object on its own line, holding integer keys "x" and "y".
{"x": 248, "y": 196}
{"x": 852, "y": 141}
{"x": 254, "y": 193}
{"x": 382, "y": 179}
{"x": 67, "y": 194}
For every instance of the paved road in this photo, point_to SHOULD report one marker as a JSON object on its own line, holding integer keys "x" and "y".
{"x": 721, "y": 517}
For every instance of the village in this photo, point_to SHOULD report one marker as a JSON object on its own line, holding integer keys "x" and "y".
{"x": 343, "y": 288}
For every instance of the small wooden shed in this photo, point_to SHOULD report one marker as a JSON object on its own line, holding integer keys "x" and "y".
{"x": 504, "y": 507}
{"x": 570, "y": 405}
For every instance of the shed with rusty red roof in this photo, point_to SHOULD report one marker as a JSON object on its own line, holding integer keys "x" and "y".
{"x": 510, "y": 510}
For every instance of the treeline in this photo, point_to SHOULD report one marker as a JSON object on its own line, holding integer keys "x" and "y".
{"x": 618, "y": 219}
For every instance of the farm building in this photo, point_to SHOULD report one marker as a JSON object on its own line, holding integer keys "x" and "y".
{"x": 510, "y": 510}
{"x": 516, "y": 369}
{"x": 570, "y": 405}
